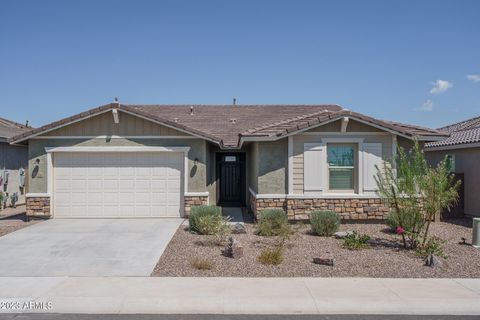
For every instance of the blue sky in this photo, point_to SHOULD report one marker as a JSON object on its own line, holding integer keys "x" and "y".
{"x": 381, "y": 58}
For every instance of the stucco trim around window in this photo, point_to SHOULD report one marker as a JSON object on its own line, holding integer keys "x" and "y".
{"x": 359, "y": 143}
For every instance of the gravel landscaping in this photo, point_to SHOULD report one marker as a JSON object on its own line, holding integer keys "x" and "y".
{"x": 13, "y": 223}
{"x": 384, "y": 257}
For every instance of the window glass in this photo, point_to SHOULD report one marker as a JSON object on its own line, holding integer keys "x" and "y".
{"x": 341, "y": 166}
{"x": 451, "y": 162}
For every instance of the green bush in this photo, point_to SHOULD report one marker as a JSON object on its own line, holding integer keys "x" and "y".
{"x": 356, "y": 241}
{"x": 392, "y": 221}
{"x": 434, "y": 245}
{"x": 271, "y": 256}
{"x": 324, "y": 223}
{"x": 205, "y": 219}
{"x": 273, "y": 222}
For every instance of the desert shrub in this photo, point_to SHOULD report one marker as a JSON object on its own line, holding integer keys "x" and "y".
{"x": 221, "y": 231}
{"x": 273, "y": 222}
{"x": 202, "y": 263}
{"x": 356, "y": 241}
{"x": 416, "y": 192}
{"x": 271, "y": 256}
{"x": 392, "y": 221}
{"x": 204, "y": 219}
{"x": 324, "y": 223}
{"x": 434, "y": 245}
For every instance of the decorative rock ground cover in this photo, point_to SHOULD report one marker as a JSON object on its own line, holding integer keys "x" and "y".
{"x": 14, "y": 223}
{"x": 384, "y": 257}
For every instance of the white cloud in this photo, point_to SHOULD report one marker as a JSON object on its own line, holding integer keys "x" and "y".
{"x": 474, "y": 77}
{"x": 440, "y": 86}
{"x": 426, "y": 106}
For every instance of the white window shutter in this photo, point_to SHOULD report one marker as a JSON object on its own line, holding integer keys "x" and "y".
{"x": 314, "y": 164}
{"x": 372, "y": 156}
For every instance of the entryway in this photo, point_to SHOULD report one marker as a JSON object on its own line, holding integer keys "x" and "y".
{"x": 231, "y": 179}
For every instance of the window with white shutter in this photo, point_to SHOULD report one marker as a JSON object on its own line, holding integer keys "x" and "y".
{"x": 372, "y": 157}
{"x": 314, "y": 161}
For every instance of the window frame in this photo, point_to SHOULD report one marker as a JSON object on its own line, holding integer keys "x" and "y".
{"x": 450, "y": 157}
{"x": 355, "y": 167}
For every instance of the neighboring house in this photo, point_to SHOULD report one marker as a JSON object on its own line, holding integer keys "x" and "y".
{"x": 463, "y": 151}
{"x": 159, "y": 160}
{"x": 13, "y": 160}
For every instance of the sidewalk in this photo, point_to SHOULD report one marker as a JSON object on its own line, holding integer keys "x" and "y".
{"x": 244, "y": 295}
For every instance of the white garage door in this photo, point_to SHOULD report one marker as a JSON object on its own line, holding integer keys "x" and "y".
{"x": 117, "y": 184}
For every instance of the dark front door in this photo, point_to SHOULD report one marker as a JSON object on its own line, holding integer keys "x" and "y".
{"x": 231, "y": 179}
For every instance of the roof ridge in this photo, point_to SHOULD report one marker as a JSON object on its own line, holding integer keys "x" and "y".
{"x": 231, "y": 105}
{"x": 11, "y": 122}
{"x": 466, "y": 122}
{"x": 273, "y": 124}
{"x": 413, "y": 126}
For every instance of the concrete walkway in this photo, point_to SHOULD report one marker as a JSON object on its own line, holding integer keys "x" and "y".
{"x": 244, "y": 295}
{"x": 234, "y": 213}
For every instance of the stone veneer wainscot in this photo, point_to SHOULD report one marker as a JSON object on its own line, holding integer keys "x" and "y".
{"x": 347, "y": 208}
{"x": 38, "y": 207}
{"x": 190, "y": 201}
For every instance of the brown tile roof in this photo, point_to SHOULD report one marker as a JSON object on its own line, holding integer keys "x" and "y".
{"x": 225, "y": 123}
{"x": 10, "y": 128}
{"x": 228, "y": 125}
{"x": 461, "y": 134}
{"x": 303, "y": 122}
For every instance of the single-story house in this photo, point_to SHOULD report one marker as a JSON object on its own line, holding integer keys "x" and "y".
{"x": 13, "y": 161}
{"x": 131, "y": 161}
{"x": 463, "y": 151}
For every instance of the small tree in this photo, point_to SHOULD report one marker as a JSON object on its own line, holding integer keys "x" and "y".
{"x": 439, "y": 191}
{"x": 399, "y": 184}
{"x": 416, "y": 192}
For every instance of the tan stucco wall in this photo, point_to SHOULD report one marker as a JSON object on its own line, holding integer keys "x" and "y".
{"x": 467, "y": 161}
{"x": 272, "y": 162}
{"x": 254, "y": 163}
{"x": 300, "y": 140}
{"x": 103, "y": 124}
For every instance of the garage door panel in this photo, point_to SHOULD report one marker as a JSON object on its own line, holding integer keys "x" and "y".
{"x": 142, "y": 184}
{"x": 110, "y": 199}
{"x": 125, "y": 184}
{"x": 96, "y": 185}
{"x": 158, "y": 186}
{"x": 94, "y": 172}
{"x": 110, "y": 172}
{"x": 75, "y": 184}
{"x": 78, "y": 198}
{"x": 94, "y": 198}
{"x": 63, "y": 184}
{"x": 109, "y": 185}
{"x": 142, "y": 172}
{"x": 62, "y": 197}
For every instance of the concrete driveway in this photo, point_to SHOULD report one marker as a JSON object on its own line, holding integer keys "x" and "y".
{"x": 86, "y": 247}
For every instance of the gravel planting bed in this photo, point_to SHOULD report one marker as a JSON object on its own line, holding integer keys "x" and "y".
{"x": 385, "y": 259}
{"x": 14, "y": 223}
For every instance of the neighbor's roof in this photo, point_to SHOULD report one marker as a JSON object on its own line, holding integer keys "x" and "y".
{"x": 230, "y": 125}
{"x": 461, "y": 134}
{"x": 10, "y": 129}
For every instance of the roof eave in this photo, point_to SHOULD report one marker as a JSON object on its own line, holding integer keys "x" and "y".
{"x": 454, "y": 146}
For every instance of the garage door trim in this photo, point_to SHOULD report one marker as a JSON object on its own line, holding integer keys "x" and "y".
{"x": 51, "y": 150}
